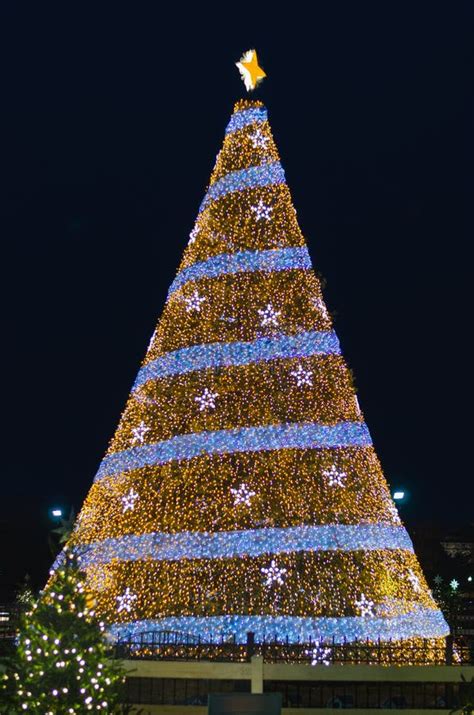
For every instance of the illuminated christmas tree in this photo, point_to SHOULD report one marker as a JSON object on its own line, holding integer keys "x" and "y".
{"x": 241, "y": 491}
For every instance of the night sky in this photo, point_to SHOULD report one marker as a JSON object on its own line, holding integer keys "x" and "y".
{"x": 110, "y": 123}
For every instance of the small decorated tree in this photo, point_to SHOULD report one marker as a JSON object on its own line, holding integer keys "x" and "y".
{"x": 62, "y": 661}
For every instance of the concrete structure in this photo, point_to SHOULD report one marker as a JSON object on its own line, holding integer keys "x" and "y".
{"x": 357, "y": 688}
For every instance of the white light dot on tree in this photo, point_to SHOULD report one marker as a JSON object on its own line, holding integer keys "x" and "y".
{"x": 364, "y": 606}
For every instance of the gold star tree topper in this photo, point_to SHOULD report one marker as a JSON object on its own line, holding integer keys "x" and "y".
{"x": 249, "y": 70}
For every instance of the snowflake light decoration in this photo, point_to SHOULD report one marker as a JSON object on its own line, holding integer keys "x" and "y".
{"x": 125, "y": 601}
{"x": 258, "y": 139}
{"x": 454, "y": 584}
{"x": 364, "y": 606}
{"x": 139, "y": 433}
{"x": 207, "y": 400}
{"x": 414, "y": 580}
{"x": 262, "y": 211}
{"x": 193, "y": 235}
{"x": 273, "y": 574}
{"x": 193, "y": 302}
{"x": 394, "y": 512}
{"x": 335, "y": 477}
{"x": 152, "y": 340}
{"x": 438, "y": 580}
{"x": 318, "y": 304}
{"x": 320, "y": 654}
{"x": 128, "y": 501}
{"x": 242, "y": 495}
{"x": 302, "y": 376}
{"x": 269, "y": 316}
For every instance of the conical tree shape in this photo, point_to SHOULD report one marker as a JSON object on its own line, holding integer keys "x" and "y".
{"x": 241, "y": 491}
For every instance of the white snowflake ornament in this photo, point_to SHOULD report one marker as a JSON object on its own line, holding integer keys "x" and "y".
{"x": 193, "y": 235}
{"x": 193, "y": 302}
{"x": 128, "y": 501}
{"x": 335, "y": 477}
{"x": 207, "y": 400}
{"x": 139, "y": 433}
{"x": 364, "y": 606}
{"x": 273, "y": 574}
{"x": 258, "y": 139}
{"x": 320, "y": 654}
{"x": 262, "y": 211}
{"x": 319, "y": 305}
{"x": 268, "y": 315}
{"x": 302, "y": 376}
{"x": 125, "y": 601}
{"x": 454, "y": 584}
{"x": 242, "y": 495}
{"x": 414, "y": 580}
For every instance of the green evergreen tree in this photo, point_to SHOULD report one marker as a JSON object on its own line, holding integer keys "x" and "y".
{"x": 62, "y": 661}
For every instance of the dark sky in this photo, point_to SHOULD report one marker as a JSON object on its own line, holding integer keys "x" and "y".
{"x": 110, "y": 122}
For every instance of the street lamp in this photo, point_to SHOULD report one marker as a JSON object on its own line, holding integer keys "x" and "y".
{"x": 399, "y": 495}
{"x": 56, "y": 513}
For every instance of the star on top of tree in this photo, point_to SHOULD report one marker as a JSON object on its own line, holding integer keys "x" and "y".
{"x": 249, "y": 70}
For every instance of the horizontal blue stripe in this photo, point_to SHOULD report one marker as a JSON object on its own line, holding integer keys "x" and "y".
{"x": 254, "y": 176}
{"x": 421, "y": 622}
{"x": 304, "y": 435}
{"x": 161, "y": 546}
{"x": 274, "y": 259}
{"x": 200, "y": 357}
{"x": 244, "y": 117}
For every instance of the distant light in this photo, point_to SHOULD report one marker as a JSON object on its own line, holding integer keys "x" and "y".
{"x": 469, "y": 578}
{"x": 398, "y": 495}
{"x": 57, "y": 512}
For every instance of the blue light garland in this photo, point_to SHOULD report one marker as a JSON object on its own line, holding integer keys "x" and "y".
{"x": 244, "y": 117}
{"x": 160, "y": 546}
{"x": 262, "y": 175}
{"x": 275, "y": 259}
{"x": 212, "y": 355}
{"x": 299, "y": 435}
{"x": 421, "y": 622}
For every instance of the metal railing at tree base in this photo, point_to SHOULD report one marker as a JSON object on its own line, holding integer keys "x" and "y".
{"x": 172, "y": 645}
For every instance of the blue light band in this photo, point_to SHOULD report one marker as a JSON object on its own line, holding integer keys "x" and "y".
{"x": 160, "y": 546}
{"x": 244, "y": 117}
{"x": 420, "y": 622}
{"x": 212, "y": 355}
{"x": 299, "y": 435}
{"x": 275, "y": 259}
{"x": 254, "y": 176}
